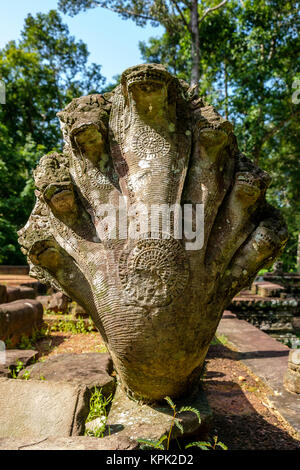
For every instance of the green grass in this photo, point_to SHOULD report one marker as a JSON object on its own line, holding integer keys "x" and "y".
{"x": 76, "y": 326}
{"x": 98, "y": 409}
{"x": 219, "y": 339}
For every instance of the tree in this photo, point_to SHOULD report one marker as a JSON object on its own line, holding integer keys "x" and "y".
{"x": 174, "y": 15}
{"x": 248, "y": 71}
{"x": 42, "y": 73}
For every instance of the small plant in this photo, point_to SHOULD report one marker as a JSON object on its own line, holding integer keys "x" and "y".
{"x": 98, "y": 409}
{"x": 15, "y": 371}
{"x": 220, "y": 339}
{"x": 26, "y": 375}
{"x": 204, "y": 445}
{"x": 175, "y": 422}
{"x": 27, "y": 342}
{"x": 75, "y": 327}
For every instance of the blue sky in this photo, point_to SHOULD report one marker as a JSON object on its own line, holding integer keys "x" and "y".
{"x": 112, "y": 42}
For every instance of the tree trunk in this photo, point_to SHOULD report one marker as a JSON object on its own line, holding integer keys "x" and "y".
{"x": 298, "y": 254}
{"x": 226, "y": 88}
{"x": 195, "y": 49}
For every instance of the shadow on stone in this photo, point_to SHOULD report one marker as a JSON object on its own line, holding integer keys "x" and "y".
{"x": 236, "y": 422}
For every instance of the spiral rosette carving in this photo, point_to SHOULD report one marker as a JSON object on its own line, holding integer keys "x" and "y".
{"x": 155, "y": 289}
{"x": 154, "y": 271}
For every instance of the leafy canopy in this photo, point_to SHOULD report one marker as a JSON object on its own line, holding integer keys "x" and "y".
{"x": 42, "y": 72}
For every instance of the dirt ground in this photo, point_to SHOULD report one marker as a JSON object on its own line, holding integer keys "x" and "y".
{"x": 243, "y": 419}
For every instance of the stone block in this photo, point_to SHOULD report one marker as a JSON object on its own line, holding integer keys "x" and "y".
{"x": 40, "y": 409}
{"x": 27, "y": 292}
{"x": 18, "y": 293}
{"x": 296, "y": 325}
{"x": 58, "y": 302}
{"x": 19, "y": 318}
{"x": 44, "y": 299}
{"x": 292, "y": 376}
{"x": 88, "y": 369}
{"x": 13, "y": 356}
{"x": 268, "y": 289}
{"x": 2, "y": 294}
{"x": 134, "y": 420}
{"x": 70, "y": 443}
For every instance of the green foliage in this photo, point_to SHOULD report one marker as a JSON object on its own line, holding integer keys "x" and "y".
{"x": 248, "y": 66}
{"x": 73, "y": 326}
{"x": 148, "y": 443}
{"x": 42, "y": 73}
{"x": 27, "y": 342}
{"x": 206, "y": 445}
{"x": 14, "y": 371}
{"x": 98, "y": 409}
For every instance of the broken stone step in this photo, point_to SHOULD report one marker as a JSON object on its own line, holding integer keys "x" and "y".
{"x": 11, "y": 357}
{"x": 20, "y": 318}
{"x": 292, "y": 375}
{"x": 131, "y": 419}
{"x": 38, "y": 409}
{"x": 70, "y": 443}
{"x": 87, "y": 369}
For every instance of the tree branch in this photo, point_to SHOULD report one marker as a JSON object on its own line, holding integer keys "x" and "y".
{"x": 128, "y": 12}
{"x": 277, "y": 128}
{"x": 209, "y": 10}
{"x": 182, "y": 15}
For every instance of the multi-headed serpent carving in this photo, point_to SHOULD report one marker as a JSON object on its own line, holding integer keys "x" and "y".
{"x": 156, "y": 303}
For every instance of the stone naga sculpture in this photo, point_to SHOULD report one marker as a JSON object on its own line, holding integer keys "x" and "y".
{"x": 156, "y": 302}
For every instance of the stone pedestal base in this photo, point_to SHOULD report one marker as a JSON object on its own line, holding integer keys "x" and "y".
{"x": 131, "y": 419}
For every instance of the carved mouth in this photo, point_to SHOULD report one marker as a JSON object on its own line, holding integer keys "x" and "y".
{"x": 247, "y": 179}
{"x": 39, "y": 248}
{"x": 248, "y": 186}
{"x": 54, "y": 189}
{"x": 145, "y": 74}
{"x": 206, "y": 127}
{"x": 147, "y": 77}
{"x": 254, "y": 183}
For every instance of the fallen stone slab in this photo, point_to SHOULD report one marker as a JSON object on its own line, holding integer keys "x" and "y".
{"x": 39, "y": 288}
{"x": 87, "y": 369}
{"x": 296, "y": 325}
{"x": 40, "y": 409}
{"x": 44, "y": 300}
{"x": 11, "y": 269}
{"x": 58, "y": 302}
{"x": 292, "y": 375}
{"x": 19, "y": 318}
{"x": 267, "y": 359}
{"x": 70, "y": 443}
{"x": 128, "y": 418}
{"x": 268, "y": 289}
{"x": 18, "y": 293}
{"x": 2, "y": 294}
{"x": 13, "y": 356}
